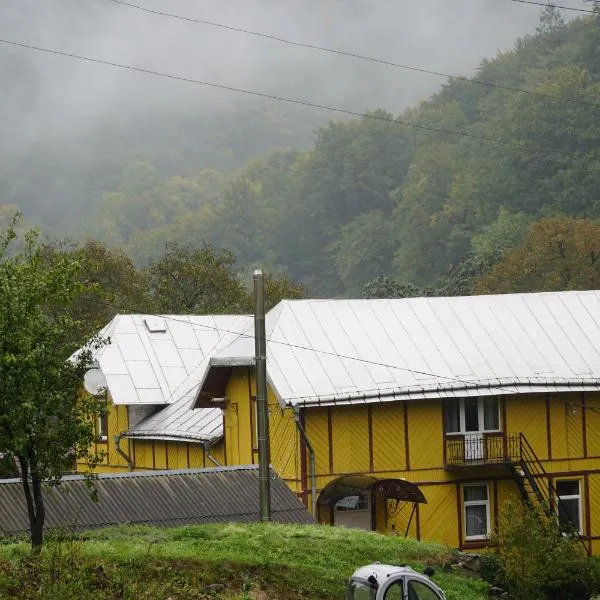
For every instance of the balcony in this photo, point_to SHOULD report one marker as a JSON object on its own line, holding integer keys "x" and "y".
{"x": 480, "y": 449}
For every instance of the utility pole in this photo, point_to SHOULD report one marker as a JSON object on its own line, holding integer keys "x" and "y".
{"x": 260, "y": 353}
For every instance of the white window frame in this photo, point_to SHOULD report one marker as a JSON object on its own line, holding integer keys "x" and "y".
{"x": 101, "y": 435}
{"x": 571, "y": 497}
{"x": 467, "y": 503}
{"x": 481, "y": 417}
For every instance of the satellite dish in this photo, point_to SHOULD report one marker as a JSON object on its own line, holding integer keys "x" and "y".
{"x": 94, "y": 382}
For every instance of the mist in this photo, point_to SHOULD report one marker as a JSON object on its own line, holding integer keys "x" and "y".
{"x": 69, "y": 107}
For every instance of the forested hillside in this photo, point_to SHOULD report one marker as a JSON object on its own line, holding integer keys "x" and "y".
{"x": 489, "y": 176}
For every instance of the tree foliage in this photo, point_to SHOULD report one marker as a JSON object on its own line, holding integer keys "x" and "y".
{"x": 44, "y": 420}
{"x": 538, "y": 562}
{"x": 558, "y": 253}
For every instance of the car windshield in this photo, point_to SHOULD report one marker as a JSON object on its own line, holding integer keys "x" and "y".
{"x": 361, "y": 590}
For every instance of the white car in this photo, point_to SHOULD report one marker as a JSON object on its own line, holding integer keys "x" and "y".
{"x": 389, "y": 582}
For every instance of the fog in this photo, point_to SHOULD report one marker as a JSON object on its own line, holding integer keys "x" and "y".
{"x": 49, "y": 98}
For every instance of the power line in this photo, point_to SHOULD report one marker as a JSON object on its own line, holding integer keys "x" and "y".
{"x": 354, "y": 55}
{"x": 373, "y": 116}
{"x": 243, "y": 334}
{"x": 545, "y": 4}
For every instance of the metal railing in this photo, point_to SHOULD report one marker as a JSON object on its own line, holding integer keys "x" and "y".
{"x": 516, "y": 453}
{"x": 491, "y": 449}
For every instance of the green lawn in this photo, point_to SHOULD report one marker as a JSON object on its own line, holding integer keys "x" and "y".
{"x": 253, "y": 561}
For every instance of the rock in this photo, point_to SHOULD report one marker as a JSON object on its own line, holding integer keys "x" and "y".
{"x": 215, "y": 588}
{"x": 496, "y": 591}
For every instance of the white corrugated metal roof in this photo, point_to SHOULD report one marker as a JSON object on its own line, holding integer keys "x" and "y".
{"x": 159, "y": 361}
{"x": 149, "y": 357}
{"x": 336, "y": 351}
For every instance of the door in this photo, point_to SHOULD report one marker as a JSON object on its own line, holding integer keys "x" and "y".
{"x": 474, "y": 448}
{"x": 473, "y": 430}
{"x": 354, "y": 512}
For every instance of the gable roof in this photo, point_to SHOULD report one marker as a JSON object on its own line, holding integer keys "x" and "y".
{"x": 148, "y": 367}
{"x": 223, "y": 495}
{"x": 350, "y": 351}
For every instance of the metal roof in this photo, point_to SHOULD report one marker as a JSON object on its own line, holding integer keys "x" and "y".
{"x": 228, "y": 494}
{"x": 351, "y": 351}
{"x": 149, "y": 357}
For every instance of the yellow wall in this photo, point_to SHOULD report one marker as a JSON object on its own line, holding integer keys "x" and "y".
{"x": 148, "y": 454}
{"x": 392, "y": 440}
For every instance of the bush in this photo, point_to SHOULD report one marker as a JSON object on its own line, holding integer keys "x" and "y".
{"x": 537, "y": 562}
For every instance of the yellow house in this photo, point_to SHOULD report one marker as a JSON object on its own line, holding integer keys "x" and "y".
{"x": 149, "y": 423}
{"x": 414, "y": 416}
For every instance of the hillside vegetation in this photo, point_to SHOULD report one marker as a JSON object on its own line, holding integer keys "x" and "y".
{"x": 377, "y": 197}
{"x": 217, "y": 561}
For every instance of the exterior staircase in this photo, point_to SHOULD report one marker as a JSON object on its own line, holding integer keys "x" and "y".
{"x": 536, "y": 486}
{"x": 514, "y": 453}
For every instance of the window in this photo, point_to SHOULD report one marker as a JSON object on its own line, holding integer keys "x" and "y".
{"x": 417, "y": 590}
{"x": 360, "y": 502}
{"x": 358, "y": 590}
{"x": 569, "y": 505}
{"x": 102, "y": 424}
{"x": 465, "y": 415}
{"x": 395, "y": 591}
{"x": 476, "y": 512}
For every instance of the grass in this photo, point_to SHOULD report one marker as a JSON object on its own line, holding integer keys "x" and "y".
{"x": 251, "y": 561}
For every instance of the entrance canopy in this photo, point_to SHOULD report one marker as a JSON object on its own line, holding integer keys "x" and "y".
{"x": 388, "y": 489}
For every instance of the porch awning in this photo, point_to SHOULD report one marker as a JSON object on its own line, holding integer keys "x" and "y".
{"x": 389, "y": 489}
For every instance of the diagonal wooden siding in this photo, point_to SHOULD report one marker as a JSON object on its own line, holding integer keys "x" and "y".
{"x": 389, "y": 449}
{"x": 350, "y": 437}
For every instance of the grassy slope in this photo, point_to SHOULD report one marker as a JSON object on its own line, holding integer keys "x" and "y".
{"x": 286, "y": 562}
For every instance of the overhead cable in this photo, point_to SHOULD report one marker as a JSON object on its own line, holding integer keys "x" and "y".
{"x": 354, "y": 55}
{"x": 372, "y": 116}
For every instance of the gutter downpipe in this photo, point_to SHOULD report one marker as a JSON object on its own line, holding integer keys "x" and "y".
{"x": 210, "y": 457}
{"x": 311, "y": 456}
{"x": 120, "y": 452}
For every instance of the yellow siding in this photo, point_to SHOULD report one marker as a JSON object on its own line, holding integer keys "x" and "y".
{"x": 160, "y": 455}
{"x": 437, "y": 518}
{"x": 528, "y": 415}
{"x": 238, "y": 433}
{"x": 425, "y": 435}
{"x": 389, "y": 448}
{"x": 218, "y": 451}
{"x": 317, "y": 430}
{"x": 350, "y": 438}
{"x": 196, "y": 452}
{"x": 592, "y": 416}
{"x": 558, "y": 428}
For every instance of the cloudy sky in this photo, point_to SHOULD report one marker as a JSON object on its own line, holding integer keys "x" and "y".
{"x": 57, "y": 93}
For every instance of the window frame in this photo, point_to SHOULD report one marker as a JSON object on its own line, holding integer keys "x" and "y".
{"x": 102, "y": 423}
{"x": 468, "y": 503}
{"x": 578, "y": 497}
{"x": 480, "y": 416}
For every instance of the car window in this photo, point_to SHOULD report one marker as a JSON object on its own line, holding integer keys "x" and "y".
{"x": 361, "y": 591}
{"x": 395, "y": 591}
{"x": 420, "y": 591}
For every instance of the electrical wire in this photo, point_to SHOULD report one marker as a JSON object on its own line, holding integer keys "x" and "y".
{"x": 355, "y": 55}
{"x": 373, "y": 116}
{"x": 244, "y": 334}
{"x": 559, "y": 6}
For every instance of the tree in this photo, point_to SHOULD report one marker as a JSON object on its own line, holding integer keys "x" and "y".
{"x": 385, "y": 286}
{"x": 115, "y": 284}
{"x": 278, "y": 288}
{"x": 557, "y": 253}
{"x": 44, "y": 419}
{"x": 188, "y": 280}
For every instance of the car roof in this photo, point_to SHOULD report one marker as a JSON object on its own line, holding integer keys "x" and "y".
{"x": 382, "y": 572}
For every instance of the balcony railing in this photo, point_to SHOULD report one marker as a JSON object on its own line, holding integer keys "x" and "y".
{"x": 482, "y": 449}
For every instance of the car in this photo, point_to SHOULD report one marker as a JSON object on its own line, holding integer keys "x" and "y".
{"x": 391, "y": 582}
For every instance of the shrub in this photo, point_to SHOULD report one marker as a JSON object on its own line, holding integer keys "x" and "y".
{"x": 538, "y": 562}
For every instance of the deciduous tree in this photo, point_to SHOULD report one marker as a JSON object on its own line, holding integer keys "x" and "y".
{"x": 44, "y": 419}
